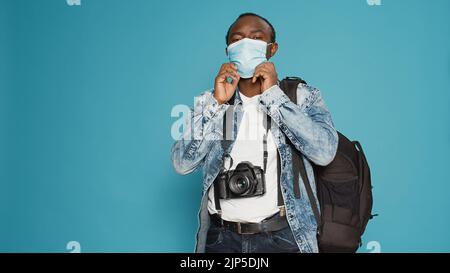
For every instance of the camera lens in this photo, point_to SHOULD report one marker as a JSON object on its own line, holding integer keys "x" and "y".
{"x": 239, "y": 184}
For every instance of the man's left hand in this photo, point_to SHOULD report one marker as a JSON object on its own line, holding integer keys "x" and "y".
{"x": 267, "y": 74}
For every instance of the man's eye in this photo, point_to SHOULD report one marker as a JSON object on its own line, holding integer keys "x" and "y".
{"x": 257, "y": 38}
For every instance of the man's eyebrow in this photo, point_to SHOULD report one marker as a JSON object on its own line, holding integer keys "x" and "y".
{"x": 236, "y": 33}
{"x": 242, "y": 34}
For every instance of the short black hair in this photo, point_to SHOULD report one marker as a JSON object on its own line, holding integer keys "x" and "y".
{"x": 252, "y": 14}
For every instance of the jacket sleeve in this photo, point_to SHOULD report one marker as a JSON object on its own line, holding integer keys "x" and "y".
{"x": 308, "y": 125}
{"x": 188, "y": 152}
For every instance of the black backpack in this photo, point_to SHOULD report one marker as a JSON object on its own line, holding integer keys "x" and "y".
{"x": 344, "y": 189}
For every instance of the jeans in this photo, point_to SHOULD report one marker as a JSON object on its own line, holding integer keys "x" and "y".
{"x": 223, "y": 240}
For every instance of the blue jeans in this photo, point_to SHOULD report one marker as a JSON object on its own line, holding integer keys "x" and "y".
{"x": 223, "y": 240}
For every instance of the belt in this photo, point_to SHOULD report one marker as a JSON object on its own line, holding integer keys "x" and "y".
{"x": 273, "y": 223}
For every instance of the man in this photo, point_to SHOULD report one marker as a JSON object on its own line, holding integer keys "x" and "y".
{"x": 248, "y": 202}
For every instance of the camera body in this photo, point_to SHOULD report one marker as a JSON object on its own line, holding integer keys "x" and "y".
{"x": 245, "y": 180}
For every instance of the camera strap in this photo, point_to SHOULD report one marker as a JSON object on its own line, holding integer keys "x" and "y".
{"x": 280, "y": 203}
{"x": 267, "y": 123}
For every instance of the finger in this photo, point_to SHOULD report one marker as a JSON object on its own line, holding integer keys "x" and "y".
{"x": 233, "y": 66}
{"x": 225, "y": 67}
{"x": 261, "y": 73}
{"x": 234, "y": 76}
{"x": 233, "y": 72}
{"x": 266, "y": 64}
{"x": 257, "y": 75}
{"x": 229, "y": 66}
{"x": 254, "y": 78}
{"x": 235, "y": 81}
{"x": 223, "y": 76}
{"x": 266, "y": 68}
{"x": 227, "y": 72}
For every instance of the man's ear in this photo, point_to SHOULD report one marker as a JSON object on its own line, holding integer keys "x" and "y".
{"x": 271, "y": 50}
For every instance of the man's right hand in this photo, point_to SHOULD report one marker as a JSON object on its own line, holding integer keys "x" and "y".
{"x": 223, "y": 90}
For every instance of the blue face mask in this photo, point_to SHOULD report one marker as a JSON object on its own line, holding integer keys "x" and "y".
{"x": 247, "y": 54}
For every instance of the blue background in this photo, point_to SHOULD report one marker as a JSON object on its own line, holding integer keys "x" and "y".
{"x": 87, "y": 93}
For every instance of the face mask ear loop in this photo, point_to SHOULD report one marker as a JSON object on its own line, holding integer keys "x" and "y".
{"x": 270, "y": 55}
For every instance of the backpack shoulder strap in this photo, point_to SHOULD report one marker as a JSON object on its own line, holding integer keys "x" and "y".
{"x": 289, "y": 86}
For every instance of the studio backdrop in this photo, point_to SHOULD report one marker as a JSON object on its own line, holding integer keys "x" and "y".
{"x": 90, "y": 92}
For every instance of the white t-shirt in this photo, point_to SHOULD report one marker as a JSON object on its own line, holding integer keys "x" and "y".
{"x": 249, "y": 147}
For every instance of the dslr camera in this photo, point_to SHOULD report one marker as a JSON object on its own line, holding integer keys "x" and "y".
{"x": 245, "y": 180}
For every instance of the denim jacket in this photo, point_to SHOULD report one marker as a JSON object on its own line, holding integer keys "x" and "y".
{"x": 307, "y": 124}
